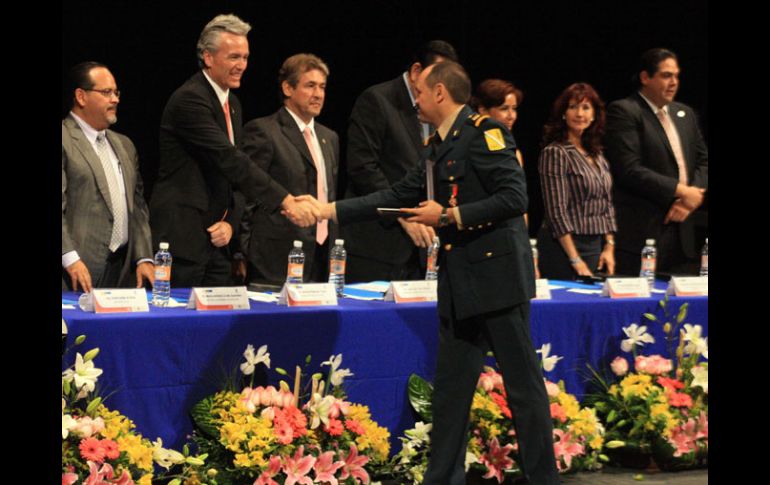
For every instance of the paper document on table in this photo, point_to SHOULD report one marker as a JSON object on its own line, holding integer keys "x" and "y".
{"x": 67, "y": 307}
{"x": 172, "y": 303}
{"x": 585, "y": 292}
{"x": 374, "y": 290}
{"x": 378, "y": 286}
{"x": 263, "y": 297}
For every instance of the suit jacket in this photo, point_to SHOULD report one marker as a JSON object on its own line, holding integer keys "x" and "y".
{"x": 645, "y": 171}
{"x": 200, "y": 170}
{"x": 384, "y": 143}
{"x": 277, "y": 146}
{"x": 487, "y": 265}
{"x": 86, "y": 207}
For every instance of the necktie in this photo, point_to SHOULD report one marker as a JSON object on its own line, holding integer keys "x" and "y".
{"x": 119, "y": 224}
{"x": 435, "y": 141}
{"x": 673, "y": 139}
{"x": 226, "y": 108}
{"x": 322, "y": 229}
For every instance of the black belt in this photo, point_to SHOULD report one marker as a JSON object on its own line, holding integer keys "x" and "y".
{"x": 119, "y": 254}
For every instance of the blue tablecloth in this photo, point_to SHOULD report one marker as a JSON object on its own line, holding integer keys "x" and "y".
{"x": 157, "y": 365}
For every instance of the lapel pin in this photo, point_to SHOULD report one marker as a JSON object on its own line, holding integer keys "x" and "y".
{"x": 680, "y": 113}
{"x": 323, "y": 140}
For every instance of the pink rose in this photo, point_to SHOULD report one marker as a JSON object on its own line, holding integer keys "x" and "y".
{"x": 654, "y": 365}
{"x": 87, "y": 427}
{"x": 619, "y": 366}
{"x": 552, "y": 389}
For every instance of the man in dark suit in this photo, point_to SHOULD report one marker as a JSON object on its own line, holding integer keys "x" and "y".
{"x": 659, "y": 163}
{"x": 486, "y": 275}
{"x": 195, "y": 206}
{"x": 301, "y": 157}
{"x": 105, "y": 232}
{"x": 385, "y": 139}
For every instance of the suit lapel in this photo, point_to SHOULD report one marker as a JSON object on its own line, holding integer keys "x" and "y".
{"x": 407, "y": 113}
{"x": 125, "y": 162}
{"x": 216, "y": 106}
{"x": 652, "y": 119}
{"x": 448, "y": 143}
{"x": 681, "y": 130}
{"x": 291, "y": 131}
{"x": 90, "y": 156}
{"x": 328, "y": 155}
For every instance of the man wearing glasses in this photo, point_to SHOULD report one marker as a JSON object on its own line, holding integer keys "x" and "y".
{"x": 105, "y": 227}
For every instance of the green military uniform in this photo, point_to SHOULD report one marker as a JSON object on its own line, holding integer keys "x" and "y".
{"x": 486, "y": 279}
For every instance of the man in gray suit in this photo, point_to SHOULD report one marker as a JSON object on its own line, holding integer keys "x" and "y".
{"x": 301, "y": 157}
{"x": 105, "y": 229}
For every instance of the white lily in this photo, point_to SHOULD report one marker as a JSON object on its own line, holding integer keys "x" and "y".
{"x": 470, "y": 459}
{"x": 334, "y": 361}
{"x": 339, "y": 375}
{"x": 166, "y": 458}
{"x": 67, "y": 422}
{"x": 262, "y": 357}
{"x": 695, "y": 343}
{"x": 319, "y": 409}
{"x": 637, "y": 335}
{"x": 548, "y": 362}
{"x": 420, "y": 433}
{"x": 701, "y": 377}
{"x": 84, "y": 374}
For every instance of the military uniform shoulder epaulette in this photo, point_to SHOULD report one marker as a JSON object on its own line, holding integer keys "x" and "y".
{"x": 476, "y": 119}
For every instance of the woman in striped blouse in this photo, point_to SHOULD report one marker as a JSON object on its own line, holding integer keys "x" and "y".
{"x": 577, "y": 235}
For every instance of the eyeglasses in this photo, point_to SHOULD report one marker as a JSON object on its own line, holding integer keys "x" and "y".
{"x": 106, "y": 92}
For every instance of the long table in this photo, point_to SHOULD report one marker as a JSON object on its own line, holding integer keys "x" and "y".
{"x": 157, "y": 365}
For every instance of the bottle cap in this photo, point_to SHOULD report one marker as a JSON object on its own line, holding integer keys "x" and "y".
{"x": 297, "y": 244}
{"x": 164, "y": 245}
{"x": 533, "y": 242}
{"x": 650, "y": 242}
{"x": 339, "y": 242}
{"x": 707, "y": 240}
{"x": 435, "y": 239}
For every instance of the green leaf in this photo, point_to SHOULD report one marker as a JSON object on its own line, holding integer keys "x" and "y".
{"x": 281, "y": 371}
{"x": 67, "y": 386}
{"x": 91, "y": 354}
{"x": 651, "y": 317}
{"x": 186, "y": 450}
{"x": 175, "y": 481}
{"x": 93, "y": 405}
{"x": 420, "y": 395}
{"x": 622, "y": 423}
{"x": 604, "y": 458}
{"x": 682, "y": 313}
{"x": 611, "y": 417}
{"x": 308, "y": 358}
{"x": 201, "y": 415}
{"x": 80, "y": 339}
{"x": 317, "y": 376}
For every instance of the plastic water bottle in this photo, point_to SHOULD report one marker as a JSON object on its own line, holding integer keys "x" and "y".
{"x": 296, "y": 264}
{"x": 533, "y": 244}
{"x": 161, "y": 289}
{"x": 337, "y": 258}
{"x": 704, "y": 259}
{"x": 432, "y": 269}
{"x": 649, "y": 256}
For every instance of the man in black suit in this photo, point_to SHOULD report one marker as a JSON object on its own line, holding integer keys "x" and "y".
{"x": 659, "y": 163}
{"x": 194, "y": 205}
{"x": 486, "y": 275}
{"x": 385, "y": 139}
{"x": 290, "y": 146}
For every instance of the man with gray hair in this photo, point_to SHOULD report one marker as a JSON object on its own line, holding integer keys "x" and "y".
{"x": 301, "y": 156}
{"x": 204, "y": 179}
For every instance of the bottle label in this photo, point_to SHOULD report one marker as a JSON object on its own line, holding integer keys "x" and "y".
{"x": 163, "y": 273}
{"x": 648, "y": 264}
{"x": 704, "y": 262}
{"x": 295, "y": 270}
{"x": 337, "y": 266}
{"x": 431, "y": 264}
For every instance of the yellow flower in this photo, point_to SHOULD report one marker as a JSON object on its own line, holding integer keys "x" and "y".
{"x": 145, "y": 480}
{"x": 376, "y": 438}
{"x": 139, "y": 453}
{"x": 359, "y": 413}
{"x": 258, "y": 459}
{"x": 636, "y": 385}
{"x": 231, "y": 435}
{"x": 242, "y": 460}
{"x": 485, "y": 403}
{"x": 596, "y": 442}
{"x": 569, "y": 404}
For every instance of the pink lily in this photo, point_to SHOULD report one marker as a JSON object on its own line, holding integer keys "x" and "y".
{"x": 69, "y": 478}
{"x": 566, "y": 448}
{"x": 325, "y": 468}
{"x": 354, "y": 466}
{"x": 703, "y": 427}
{"x": 496, "y": 459}
{"x": 297, "y": 468}
{"x": 273, "y": 469}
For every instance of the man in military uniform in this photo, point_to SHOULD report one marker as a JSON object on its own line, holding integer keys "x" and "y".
{"x": 476, "y": 196}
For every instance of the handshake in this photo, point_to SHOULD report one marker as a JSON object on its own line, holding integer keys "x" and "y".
{"x": 305, "y": 210}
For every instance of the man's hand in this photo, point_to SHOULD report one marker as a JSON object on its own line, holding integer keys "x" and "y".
{"x": 677, "y": 213}
{"x": 79, "y": 275}
{"x": 323, "y": 211}
{"x": 607, "y": 259}
{"x": 427, "y": 213}
{"x": 145, "y": 272}
{"x": 421, "y": 234}
{"x": 221, "y": 232}
{"x": 239, "y": 270}
{"x": 299, "y": 210}
{"x": 691, "y": 197}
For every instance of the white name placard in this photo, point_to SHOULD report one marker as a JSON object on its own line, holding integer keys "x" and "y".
{"x": 122, "y": 300}
{"x": 688, "y": 286}
{"x": 308, "y": 294}
{"x": 412, "y": 291}
{"x": 222, "y": 298}
{"x": 626, "y": 288}
{"x": 542, "y": 290}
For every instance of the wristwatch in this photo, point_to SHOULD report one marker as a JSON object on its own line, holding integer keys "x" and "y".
{"x": 574, "y": 261}
{"x": 443, "y": 218}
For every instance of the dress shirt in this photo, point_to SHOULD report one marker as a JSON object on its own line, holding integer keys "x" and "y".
{"x": 424, "y": 126}
{"x": 316, "y": 146}
{"x": 674, "y": 132}
{"x": 91, "y": 134}
{"x": 577, "y": 194}
{"x": 222, "y": 96}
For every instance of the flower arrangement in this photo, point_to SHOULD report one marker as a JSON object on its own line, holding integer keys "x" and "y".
{"x": 492, "y": 446}
{"x": 273, "y": 436}
{"x": 100, "y": 446}
{"x": 656, "y": 407}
